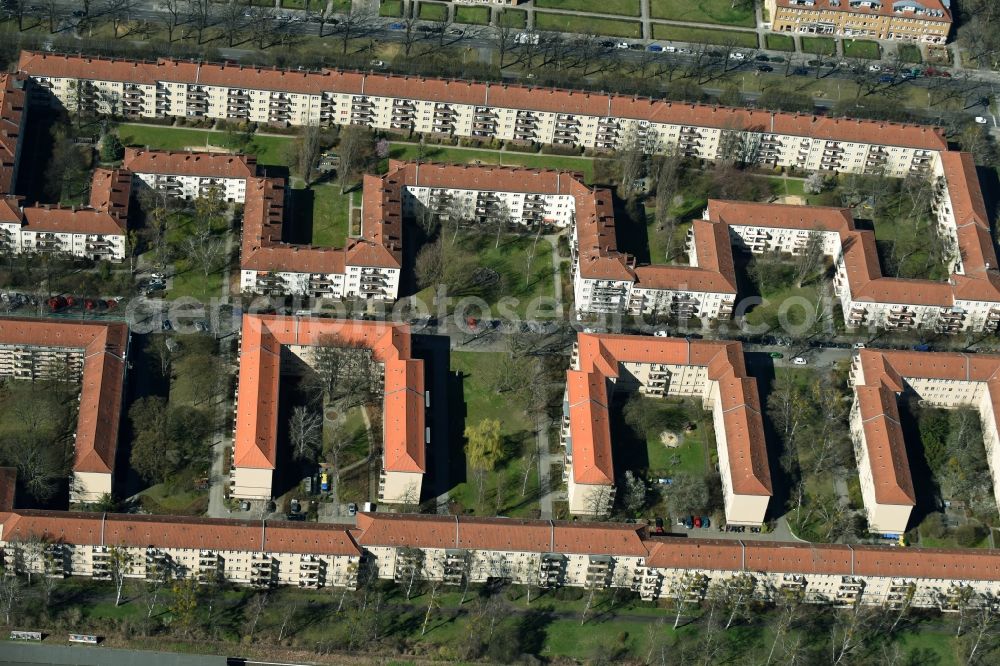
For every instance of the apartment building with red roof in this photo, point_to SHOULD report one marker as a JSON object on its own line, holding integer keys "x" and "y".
{"x": 94, "y": 231}
{"x": 454, "y": 550}
{"x": 711, "y": 371}
{"x": 607, "y": 280}
{"x": 938, "y": 379}
{"x": 502, "y": 111}
{"x": 191, "y": 174}
{"x": 926, "y": 21}
{"x": 96, "y": 352}
{"x": 255, "y": 441}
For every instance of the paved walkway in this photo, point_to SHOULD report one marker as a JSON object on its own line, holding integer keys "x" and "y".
{"x": 544, "y": 469}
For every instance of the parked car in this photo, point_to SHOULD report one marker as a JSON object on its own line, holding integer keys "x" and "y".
{"x": 874, "y": 67}
{"x": 245, "y": 505}
{"x": 765, "y": 68}
{"x": 921, "y": 347}
{"x": 798, "y": 360}
{"x": 776, "y": 355}
{"x": 800, "y": 71}
{"x": 352, "y": 509}
{"x": 762, "y": 58}
{"x": 324, "y": 482}
{"x": 397, "y": 26}
{"x": 981, "y": 120}
{"x": 295, "y": 506}
{"x": 697, "y": 521}
{"x": 705, "y": 522}
{"x": 655, "y": 48}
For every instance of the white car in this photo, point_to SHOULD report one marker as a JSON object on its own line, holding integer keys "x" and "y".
{"x": 670, "y": 49}
{"x": 798, "y": 360}
{"x": 874, "y": 68}
{"x": 981, "y": 120}
{"x": 621, "y": 45}
{"x": 859, "y": 345}
{"x": 737, "y": 55}
{"x": 662, "y": 334}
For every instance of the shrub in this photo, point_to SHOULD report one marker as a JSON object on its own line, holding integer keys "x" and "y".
{"x": 969, "y": 535}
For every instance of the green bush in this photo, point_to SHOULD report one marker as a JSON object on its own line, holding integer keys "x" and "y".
{"x": 933, "y": 526}
{"x": 969, "y": 535}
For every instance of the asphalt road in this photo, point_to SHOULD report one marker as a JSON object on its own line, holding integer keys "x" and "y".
{"x": 480, "y": 40}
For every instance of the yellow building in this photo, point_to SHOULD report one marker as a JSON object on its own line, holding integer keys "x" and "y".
{"x": 909, "y": 20}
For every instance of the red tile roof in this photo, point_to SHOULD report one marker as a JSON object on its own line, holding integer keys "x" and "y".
{"x": 864, "y": 275}
{"x": 190, "y": 163}
{"x": 12, "y": 114}
{"x": 481, "y": 94}
{"x": 102, "y": 380}
{"x": 599, "y": 357}
{"x": 883, "y": 374}
{"x": 503, "y": 534}
{"x": 182, "y": 532}
{"x": 257, "y": 404}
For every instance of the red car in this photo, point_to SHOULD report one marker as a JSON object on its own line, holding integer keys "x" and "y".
{"x": 697, "y": 521}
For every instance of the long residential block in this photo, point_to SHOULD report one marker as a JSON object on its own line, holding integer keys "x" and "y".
{"x": 185, "y": 89}
{"x": 455, "y": 550}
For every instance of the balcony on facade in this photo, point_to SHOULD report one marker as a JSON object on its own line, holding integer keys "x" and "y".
{"x": 598, "y": 570}
{"x": 208, "y": 566}
{"x": 455, "y": 567}
{"x": 551, "y": 570}
{"x": 261, "y": 570}
{"x": 310, "y": 571}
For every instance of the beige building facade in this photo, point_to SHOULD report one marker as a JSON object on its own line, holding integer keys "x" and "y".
{"x": 926, "y": 21}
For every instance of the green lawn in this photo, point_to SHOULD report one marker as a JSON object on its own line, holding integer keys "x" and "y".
{"x": 515, "y": 18}
{"x": 191, "y": 281}
{"x": 270, "y": 150}
{"x": 910, "y": 53}
{"x": 391, "y": 8}
{"x": 787, "y": 186}
{"x": 164, "y": 499}
{"x": 780, "y": 42}
{"x": 679, "y": 33}
{"x": 339, "y": 6}
{"x": 474, "y": 15}
{"x": 355, "y": 432}
{"x": 702, "y": 11}
{"x": 455, "y": 155}
{"x": 481, "y": 401}
{"x": 620, "y": 7}
{"x": 795, "y": 311}
{"x": 587, "y": 25}
{"x": 433, "y": 11}
{"x": 819, "y": 45}
{"x": 687, "y": 458}
{"x": 329, "y": 216}
{"x": 20, "y": 397}
{"x": 860, "y": 48}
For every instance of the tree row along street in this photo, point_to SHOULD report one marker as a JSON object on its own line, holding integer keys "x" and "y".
{"x": 557, "y": 59}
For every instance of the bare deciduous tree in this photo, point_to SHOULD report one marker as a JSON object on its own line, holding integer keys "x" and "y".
{"x": 305, "y": 430}
{"x": 308, "y": 149}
